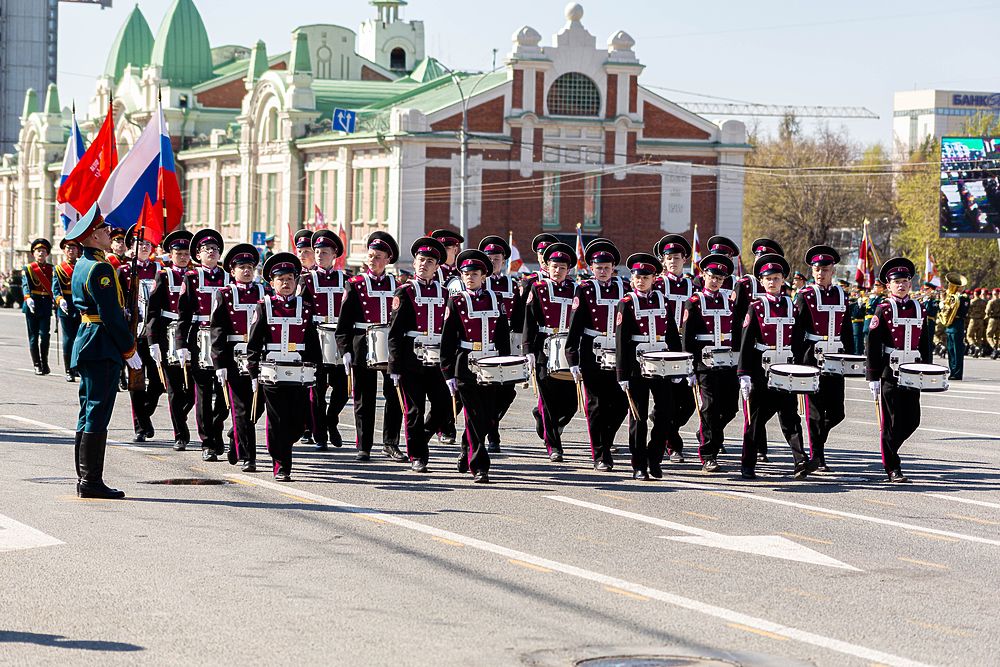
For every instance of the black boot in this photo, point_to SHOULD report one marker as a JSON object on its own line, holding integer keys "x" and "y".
{"x": 35, "y": 362}
{"x": 43, "y": 358}
{"x": 92, "y": 449}
{"x": 76, "y": 459}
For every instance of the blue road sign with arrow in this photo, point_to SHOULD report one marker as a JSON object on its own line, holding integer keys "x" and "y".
{"x": 344, "y": 120}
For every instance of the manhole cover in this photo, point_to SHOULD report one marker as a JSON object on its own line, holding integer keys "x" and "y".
{"x": 52, "y": 480}
{"x": 189, "y": 481}
{"x": 653, "y": 661}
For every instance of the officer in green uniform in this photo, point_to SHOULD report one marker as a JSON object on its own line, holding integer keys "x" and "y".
{"x": 103, "y": 344}
{"x": 36, "y": 284}
{"x": 62, "y": 292}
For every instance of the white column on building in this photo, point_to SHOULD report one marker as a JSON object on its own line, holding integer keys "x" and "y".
{"x": 729, "y": 203}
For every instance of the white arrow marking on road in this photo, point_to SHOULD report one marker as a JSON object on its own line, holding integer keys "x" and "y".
{"x": 15, "y": 535}
{"x": 773, "y": 546}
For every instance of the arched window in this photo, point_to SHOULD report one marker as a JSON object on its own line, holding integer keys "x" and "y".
{"x": 574, "y": 94}
{"x": 397, "y": 59}
{"x": 272, "y": 125}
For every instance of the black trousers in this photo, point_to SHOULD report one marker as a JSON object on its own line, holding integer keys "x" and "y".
{"x": 240, "y": 389}
{"x": 643, "y": 454}
{"x": 179, "y": 400}
{"x": 824, "y": 410}
{"x": 68, "y": 327}
{"x": 324, "y": 413}
{"x": 503, "y": 398}
{"x": 679, "y": 409}
{"x": 765, "y": 403}
{"x": 556, "y": 405}
{"x": 478, "y": 406}
{"x": 955, "y": 344}
{"x": 38, "y": 336}
{"x": 605, "y": 408}
{"x": 419, "y": 388}
{"x": 718, "y": 393}
{"x": 144, "y": 400}
{"x": 365, "y": 386}
{"x": 209, "y": 408}
{"x": 899, "y": 413}
{"x": 285, "y": 422}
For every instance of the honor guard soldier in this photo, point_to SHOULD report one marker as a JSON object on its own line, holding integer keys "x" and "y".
{"x": 36, "y": 284}
{"x": 230, "y": 327}
{"x": 325, "y": 287}
{"x": 102, "y": 347}
{"x": 767, "y": 340}
{"x": 724, "y": 246}
{"x": 282, "y": 354}
{"x": 896, "y": 336}
{"x": 116, "y": 257}
{"x": 505, "y": 287}
{"x": 368, "y": 304}
{"x": 447, "y": 273}
{"x": 304, "y": 249}
{"x": 643, "y": 322}
{"x": 62, "y": 293}
{"x": 161, "y": 327}
{"x": 590, "y": 350}
{"x": 993, "y": 326}
{"x": 712, "y": 339}
{"x": 748, "y": 288}
{"x": 415, "y": 350}
{"x": 549, "y": 306}
{"x": 475, "y": 327}
{"x": 976, "y": 334}
{"x": 143, "y": 399}
{"x": 201, "y": 284}
{"x": 821, "y": 329}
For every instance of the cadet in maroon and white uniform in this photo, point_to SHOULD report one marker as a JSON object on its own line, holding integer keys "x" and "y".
{"x": 418, "y": 311}
{"x": 549, "y": 306}
{"x": 447, "y": 273}
{"x": 195, "y": 308}
{"x": 538, "y": 244}
{"x": 304, "y": 249}
{"x": 505, "y": 287}
{"x": 748, "y": 287}
{"x": 723, "y": 246}
{"x": 592, "y": 325}
{"x": 820, "y": 313}
{"x": 325, "y": 287}
{"x": 283, "y": 330}
{"x": 161, "y": 313}
{"x": 368, "y": 303}
{"x": 230, "y": 323}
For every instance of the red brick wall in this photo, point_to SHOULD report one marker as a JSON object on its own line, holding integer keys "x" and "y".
{"x": 630, "y": 148}
{"x": 661, "y": 125}
{"x": 540, "y": 93}
{"x": 368, "y": 74}
{"x": 486, "y": 117}
{"x": 609, "y": 147}
{"x": 226, "y": 96}
{"x": 517, "y": 91}
{"x": 539, "y": 140}
{"x": 633, "y": 93}
{"x": 612, "y": 101}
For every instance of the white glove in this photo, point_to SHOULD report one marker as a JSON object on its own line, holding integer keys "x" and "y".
{"x": 134, "y": 362}
{"x": 64, "y": 306}
{"x": 876, "y": 387}
{"x": 30, "y": 303}
{"x": 576, "y": 373}
{"x": 677, "y": 380}
{"x": 154, "y": 351}
{"x": 184, "y": 355}
{"x": 347, "y": 363}
{"x": 692, "y": 379}
{"x": 223, "y": 375}
{"x": 452, "y": 386}
{"x": 253, "y": 385}
{"x": 624, "y": 385}
{"x": 745, "y": 385}
{"x": 531, "y": 360}
{"x": 395, "y": 378}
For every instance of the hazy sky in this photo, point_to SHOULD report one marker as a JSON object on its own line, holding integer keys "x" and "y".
{"x": 851, "y": 52}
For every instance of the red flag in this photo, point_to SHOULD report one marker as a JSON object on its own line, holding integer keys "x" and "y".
{"x": 515, "y": 263}
{"x": 84, "y": 184}
{"x": 319, "y": 218}
{"x": 341, "y": 262}
{"x": 150, "y": 222}
{"x": 168, "y": 190}
{"x": 696, "y": 254}
{"x": 864, "y": 276}
{"x": 581, "y": 260}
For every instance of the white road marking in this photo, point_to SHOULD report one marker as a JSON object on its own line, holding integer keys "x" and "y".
{"x": 774, "y": 546}
{"x": 721, "y": 613}
{"x": 969, "y": 501}
{"x": 933, "y": 407}
{"x": 69, "y": 431}
{"x": 989, "y": 436}
{"x": 15, "y": 535}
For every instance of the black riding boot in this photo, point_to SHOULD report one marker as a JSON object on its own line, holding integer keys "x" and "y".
{"x": 76, "y": 459}
{"x": 92, "y": 448}
{"x": 43, "y": 357}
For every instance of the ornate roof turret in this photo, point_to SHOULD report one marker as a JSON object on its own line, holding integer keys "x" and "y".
{"x": 133, "y": 46}
{"x": 30, "y": 103}
{"x": 258, "y": 62}
{"x": 52, "y": 100}
{"x": 182, "y": 49}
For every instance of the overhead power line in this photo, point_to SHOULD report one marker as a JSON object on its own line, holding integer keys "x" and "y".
{"x": 729, "y": 109}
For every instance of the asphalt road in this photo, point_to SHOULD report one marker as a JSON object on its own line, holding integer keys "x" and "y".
{"x": 358, "y": 564}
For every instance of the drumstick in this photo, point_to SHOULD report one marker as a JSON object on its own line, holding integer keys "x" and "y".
{"x": 697, "y": 397}
{"x": 454, "y": 409}
{"x": 163, "y": 379}
{"x": 534, "y": 381}
{"x": 350, "y": 383}
{"x": 399, "y": 395}
{"x": 185, "y": 376}
{"x": 631, "y": 404}
{"x": 253, "y": 408}
{"x": 579, "y": 394}
{"x": 225, "y": 395}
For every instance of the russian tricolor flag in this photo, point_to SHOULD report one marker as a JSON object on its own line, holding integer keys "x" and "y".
{"x": 74, "y": 151}
{"x": 147, "y": 170}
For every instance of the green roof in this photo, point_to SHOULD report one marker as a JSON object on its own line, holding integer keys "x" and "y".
{"x": 442, "y": 92}
{"x": 355, "y": 95}
{"x": 181, "y": 48}
{"x": 133, "y": 46}
{"x": 426, "y": 70}
{"x": 52, "y": 100}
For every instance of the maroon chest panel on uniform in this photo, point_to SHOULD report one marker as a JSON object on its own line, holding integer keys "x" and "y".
{"x": 904, "y": 320}
{"x": 556, "y": 301}
{"x": 328, "y": 293}
{"x": 446, "y": 272}
{"x": 241, "y": 300}
{"x": 651, "y": 313}
{"x": 827, "y": 308}
{"x": 376, "y": 296}
{"x": 775, "y": 318}
{"x": 677, "y": 290}
{"x": 286, "y": 319}
{"x": 429, "y": 303}
{"x": 717, "y": 316}
{"x": 206, "y": 284}
{"x": 504, "y": 288}
{"x": 175, "y": 285}
{"x": 601, "y": 299}
{"x": 479, "y": 313}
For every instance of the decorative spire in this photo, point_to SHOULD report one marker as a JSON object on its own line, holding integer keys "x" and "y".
{"x": 301, "y": 63}
{"x": 52, "y": 100}
{"x": 258, "y": 62}
{"x": 30, "y": 102}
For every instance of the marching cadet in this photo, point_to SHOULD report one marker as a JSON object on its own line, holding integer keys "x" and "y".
{"x": 767, "y": 340}
{"x": 538, "y": 244}
{"x": 475, "y": 326}
{"x": 673, "y": 250}
{"x": 748, "y": 287}
{"x": 367, "y": 304}
{"x": 201, "y": 284}
{"x": 36, "y": 285}
{"x": 161, "y": 323}
{"x": 822, "y": 328}
{"x": 591, "y": 332}
{"x": 102, "y": 347}
{"x": 897, "y": 330}
{"x": 642, "y": 319}
{"x": 143, "y": 399}
{"x": 548, "y": 308}
{"x": 418, "y": 312}
{"x": 711, "y": 338}
{"x": 283, "y": 331}
{"x": 62, "y": 292}
{"x": 304, "y": 249}
{"x": 325, "y": 287}
{"x": 504, "y": 286}
{"x": 723, "y": 246}
{"x": 230, "y": 326}
{"x": 117, "y": 255}
{"x": 447, "y": 273}
{"x": 993, "y": 327}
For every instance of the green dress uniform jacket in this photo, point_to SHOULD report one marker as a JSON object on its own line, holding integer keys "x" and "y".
{"x": 97, "y": 295}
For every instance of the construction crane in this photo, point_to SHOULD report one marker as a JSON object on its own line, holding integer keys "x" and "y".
{"x": 105, "y": 4}
{"x": 747, "y": 109}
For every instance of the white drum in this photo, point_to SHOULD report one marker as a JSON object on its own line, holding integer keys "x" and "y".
{"x": 328, "y": 343}
{"x": 428, "y": 349}
{"x": 205, "y": 348}
{"x": 605, "y": 353}
{"x": 666, "y": 364}
{"x": 555, "y": 352}
{"x": 923, "y": 377}
{"x": 793, "y": 378}
{"x": 500, "y": 370}
{"x": 172, "y": 357}
{"x": 719, "y": 357}
{"x": 279, "y": 372}
{"x": 848, "y": 365}
{"x": 378, "y": 347}
{"x": 775, "y": 358}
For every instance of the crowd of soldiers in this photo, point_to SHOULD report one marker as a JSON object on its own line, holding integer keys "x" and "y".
{"x": 298, "y": 340}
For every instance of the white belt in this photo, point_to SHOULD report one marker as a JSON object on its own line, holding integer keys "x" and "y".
{"x": 593, "y": 332}
{"x": 476, "y": 346}
{"x": 764, "y": 348}
{"x": 365, "y": 326}
{"x": 710, "y": 338}
{"x": 199, "y": 318}
{"x": 169, "y": 315}
{"x": 322, "y": 319}
{"x": 816, "y": 337}
{"x": 645, "y": 339}
{"x": 549, "y": 330}
{"x": 281, "y": 347}
{"x": 236, "y": 338}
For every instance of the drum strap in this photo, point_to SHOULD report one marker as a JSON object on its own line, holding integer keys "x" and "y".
{"x": 564, "y": 303}
{"x": 610, "y": 303}
{"x": 430, "y": 302}
{"x": 246, "y": 308}
{"x": 330, "y": 291}
{"x": 831, "y": 309}
{"x": 779, "y": 322}
{"x": 677, "y": 299}
{"x": 284, "y": 323}
{"x": 717, "y": 337}
{"x": 908, "y": 323}
{"x": 383, "y": 296}
{"x": 494, "y": 284}
{"x": 210, "y": 290}
{"x": 483, "y": 316}
{"x": 650, "y": 314}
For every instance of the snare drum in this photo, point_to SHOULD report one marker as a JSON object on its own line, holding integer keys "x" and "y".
{"x": 242, "y": 358}
{"x": 719, "y": 357}
{"x": 848, "y": 365}
{"x": 428, "y": 350}
{"x": 923, "y": 377}
{"x": 172, "y": 357}
{"x": 500, "y": 370}
{"x": 378, "y": 347}
{"x": 205, "y": 348}
{"x": 666, "y": 364}
{"x": 793, "y": 378}
{"x": 605, "y": 353}
{"x": 279, "y": 372}
{"x": 555, "y": 353}
{"x": 328, "y": 343}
